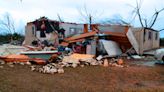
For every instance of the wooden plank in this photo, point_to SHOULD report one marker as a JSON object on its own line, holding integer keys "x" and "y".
{"x": 81, "y": 36}
{"x": 121, "y": 34}
{"x": 79, "y": 40}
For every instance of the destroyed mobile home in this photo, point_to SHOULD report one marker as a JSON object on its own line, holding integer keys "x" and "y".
{"x": 57, "y": 45}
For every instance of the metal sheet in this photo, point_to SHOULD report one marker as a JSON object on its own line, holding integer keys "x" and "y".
{"x": 112, "y": 48}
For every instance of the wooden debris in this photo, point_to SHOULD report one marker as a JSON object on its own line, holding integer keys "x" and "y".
{"x": 106, "y": 64}
{"x": 1, "y": 67}
{"x": 120, "y": 61}
{"x": 2, "y": 62}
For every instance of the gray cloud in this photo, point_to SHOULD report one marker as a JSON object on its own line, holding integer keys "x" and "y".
{"x": 29, "y": 10}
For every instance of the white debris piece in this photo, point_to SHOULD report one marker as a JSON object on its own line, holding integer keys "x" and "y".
{"x": 53, "y": 70}
{"x": 2, "y": 62}
{"x": 28, "y": 63}
{"x": 11, "y": 65}
{"x": 1, "y": 67}
{"x": 60, "y": 70}
{"x": 74, "y": 65}
{"x": 33, "y": 68}
{"x": 99, "y": 57}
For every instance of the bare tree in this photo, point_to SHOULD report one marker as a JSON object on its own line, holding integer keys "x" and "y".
{"x": 144, "y": 21}
{"x": 59, "y": 18}
{"x": 7, "y": 24}
{"x": 88, "y": 16}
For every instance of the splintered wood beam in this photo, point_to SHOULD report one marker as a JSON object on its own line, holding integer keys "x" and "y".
{"x": 121, "y": 34}
{"x": 84, "y": 35}
{"x": 79, "y": 40}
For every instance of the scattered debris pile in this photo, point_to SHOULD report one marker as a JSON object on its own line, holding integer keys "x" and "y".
{"x": 57, "y": 63}
{"x": 76, "y": 60}
{"x": 51, "y": 68}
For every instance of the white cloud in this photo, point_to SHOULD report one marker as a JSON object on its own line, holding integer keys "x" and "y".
{"x": 29, "y": 10}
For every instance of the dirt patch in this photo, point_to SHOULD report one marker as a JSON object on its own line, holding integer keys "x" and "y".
{"x": 87, "y": 79}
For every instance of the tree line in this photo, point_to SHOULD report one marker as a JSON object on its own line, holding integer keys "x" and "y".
{"x": 14, "y": 38}
{"x": 162, "y": 42}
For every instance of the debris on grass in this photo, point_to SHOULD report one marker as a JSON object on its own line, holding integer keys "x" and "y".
{"x": 57, "y": 63}
{"x": 1, "y": 67}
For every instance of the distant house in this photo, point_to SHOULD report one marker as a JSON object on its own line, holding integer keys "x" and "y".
{"x": 51, "y": 30}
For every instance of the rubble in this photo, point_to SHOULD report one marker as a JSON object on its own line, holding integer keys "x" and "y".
{"x": 48, "y": 69}
{"x": 2, "y": 62}
{"x": 1, "y": 67}
{"x": 76, "y": 49}
{"x": 120, "y": 61}
{"x": 10, "y": 65}
{"x": 57, "y": 63}
{"x": 106, "y": 63}
{"x": 15, "y": 58}
{"x": 75, "y": 60}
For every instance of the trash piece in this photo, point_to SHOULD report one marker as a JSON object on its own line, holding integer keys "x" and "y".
{"x": 21, "y": 63}
{"x": 69, "y": 59}
{"x": 106, "y": 64}
{"x": 53, "y": 58}
{"x": 10, "y": 65}
{"x": 74, "y": 65}
{"x": 28, "y": 63}
{"x": 65, "y": 44}
{"x": 1, "y": 67}
{"x": 136, "y": 57}
{"x": 33, "y": 68}
{"x": 120, "y": 61}
{"x": 99, "y": 57}
{"x": 94, "y": 62}
{"x": 82, "y": 57}
{"x": 159, "y": 63}
{"x": 53, "y": 70}
{"x": 38, "y": 61}
{"x": 82, "y": 65}
{"x": 128, "y": 57}
{"x": 100, "y": 62}
{"x": 2, "y": 62}
{"x": 60, "y": 70}
{"x": 114, "y": 64}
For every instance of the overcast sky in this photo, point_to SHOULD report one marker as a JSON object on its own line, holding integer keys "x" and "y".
{"x": 28, "y": 10}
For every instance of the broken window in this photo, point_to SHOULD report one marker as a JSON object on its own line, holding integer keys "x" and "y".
{"x": 33, "y": 30}
{"x": 150, "y": 36}
{"x": 79, "y": 30}
{"x": 156, "y": 36}
{"x": 144, "y": 36}
{"x": 72, "y": 30}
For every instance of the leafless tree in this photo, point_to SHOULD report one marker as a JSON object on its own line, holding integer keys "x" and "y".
{"x": 89, "y": 16}
{"x": 7, "y": 24}
{"x": 144, "y": 21}
{"x": 59, "y": 18}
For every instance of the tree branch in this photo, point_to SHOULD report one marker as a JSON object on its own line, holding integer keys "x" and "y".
{"x": 156, "y": 16}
